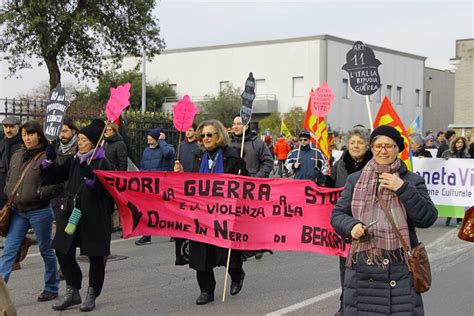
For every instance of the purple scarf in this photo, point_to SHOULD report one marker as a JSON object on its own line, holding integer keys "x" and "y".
{"x": 366, "y": 208}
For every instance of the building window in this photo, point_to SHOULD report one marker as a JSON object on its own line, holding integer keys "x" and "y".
{"x": 223, "y": 85}
{"x": 260, "y": 86}
{"x": 389, "y": 92}
{"x": 298, "y": 86}
{"x": 428, "y": 99}
{"x": 418, "y": 97}
{"x": 399, "y": 95}
{"x": 379, "y": 94}
{"x": 345, "y": 89}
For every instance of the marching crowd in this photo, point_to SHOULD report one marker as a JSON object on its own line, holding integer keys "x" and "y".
{"x": 47, "y": 183}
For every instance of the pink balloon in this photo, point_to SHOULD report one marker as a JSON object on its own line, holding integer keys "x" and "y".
{"x": 119, "y": 99}
{"x": 183, "y": 114}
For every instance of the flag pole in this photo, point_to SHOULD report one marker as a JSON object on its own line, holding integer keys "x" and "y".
{"x": 367, "y": 101}
{"x": 230, "y": 250}
{"x": 179, "y": 145}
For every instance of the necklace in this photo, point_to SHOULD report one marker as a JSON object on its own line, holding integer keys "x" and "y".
{"x": 210, "y": 160}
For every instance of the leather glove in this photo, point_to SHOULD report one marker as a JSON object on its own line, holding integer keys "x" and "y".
{"x": 87, "y": 172}
{"x": 50, "y": 151}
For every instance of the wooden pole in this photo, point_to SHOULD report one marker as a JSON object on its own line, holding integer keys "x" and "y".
{"x": 98, "y": 143}
{"x": 179, "y": 146}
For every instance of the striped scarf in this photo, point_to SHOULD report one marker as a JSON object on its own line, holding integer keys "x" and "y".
{"x": 365, "y": 207}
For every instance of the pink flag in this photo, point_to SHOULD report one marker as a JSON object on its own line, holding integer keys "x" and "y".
{"x": 183, "y": 114}
{"x": 321, "y": 100}
{"x": 119, "y": 99}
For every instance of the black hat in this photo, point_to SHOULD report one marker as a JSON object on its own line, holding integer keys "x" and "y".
{"x": 304, "y": 133}
{"x": 93, "y": 131}
{"x": 390, "y": 132}
{"x": 155, "y": 133}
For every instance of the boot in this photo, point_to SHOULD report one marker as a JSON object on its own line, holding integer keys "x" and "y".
{"x": 71, "y": 298}
{"x": 89, "y": 302}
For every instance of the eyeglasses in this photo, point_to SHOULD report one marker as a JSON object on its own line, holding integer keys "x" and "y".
{"x": 303, "y": 139}
{"x": 387, "y": 147}
{"x": 208, "y": 135}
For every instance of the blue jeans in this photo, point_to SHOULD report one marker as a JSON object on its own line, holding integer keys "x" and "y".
{"x": 41, "y": 221}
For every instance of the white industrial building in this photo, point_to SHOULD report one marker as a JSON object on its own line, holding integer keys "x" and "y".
{"x": 286, "y": 70}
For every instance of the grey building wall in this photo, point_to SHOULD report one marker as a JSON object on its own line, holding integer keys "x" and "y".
{"x": 464, "y": 82}
{"x": 438, "y": 100}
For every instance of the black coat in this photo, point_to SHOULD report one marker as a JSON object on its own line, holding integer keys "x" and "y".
{"x": 94, "y": 230}
{"x": 204, "y": 256}
{"x": 367, "y": 288}
{"x": 344, "y": 167}
{"x": 116, "y": 152}
{"x": 8, "y": 146}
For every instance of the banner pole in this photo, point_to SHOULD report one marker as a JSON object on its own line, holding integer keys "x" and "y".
{"x": 230, "y": 250}
{"x": 98, "y": 143}
{"x": 367, "y": 101}
{"x": 179, "y": 145}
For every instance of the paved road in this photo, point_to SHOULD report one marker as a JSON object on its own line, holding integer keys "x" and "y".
{"x": 287, "y": 283}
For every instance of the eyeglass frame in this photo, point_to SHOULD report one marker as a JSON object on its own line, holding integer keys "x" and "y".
{"x": 388, "y": 147}
{"x": 209, "y": 135}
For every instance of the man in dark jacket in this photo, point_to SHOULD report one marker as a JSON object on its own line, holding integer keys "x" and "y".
{"x": 307, "y": 162}
{"x": 158, "y": 156}
{"x": 8, "y": 145}
{"x": 449, "y": 135}
{"x": 258, "y": 158}
{"x": 188, "y": 149}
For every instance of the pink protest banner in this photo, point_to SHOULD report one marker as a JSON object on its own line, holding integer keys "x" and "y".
{"x": 119, "y": 99}
{"x": 321, "y": 100}
{"x": 183, "y": 114}
{"x": 227, "y": 210}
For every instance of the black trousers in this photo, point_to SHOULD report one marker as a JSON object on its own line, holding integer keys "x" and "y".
{"x": 207, "y": 281}
{"x": 342, "y": 272}
{"x": 73, "y": 274}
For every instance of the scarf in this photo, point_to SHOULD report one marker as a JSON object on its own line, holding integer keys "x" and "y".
{"x": 366, "y": 208}
{"x": 65, "y": 148}
{"x": 213, "y": 163}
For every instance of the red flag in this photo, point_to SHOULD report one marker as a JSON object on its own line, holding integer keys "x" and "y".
{"x": 388, "y": 116}
{"x": 317, "y": 128}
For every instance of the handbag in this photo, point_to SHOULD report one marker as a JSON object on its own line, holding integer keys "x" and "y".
{"x": 467, "y": 228}
{"x": 418, "y": 262}
{"x": 5, "y": 212}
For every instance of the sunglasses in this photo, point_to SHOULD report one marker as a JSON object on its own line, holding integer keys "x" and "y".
{"x": 208, "y": 135}
{"x": 303, "y": 139}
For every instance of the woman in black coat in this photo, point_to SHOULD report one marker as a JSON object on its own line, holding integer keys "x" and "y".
{"x": 354, "y": 158}
{"x": 115, "y": 148}
{"x": 217, "y": 157}
{"x": 377, "y": 279}
{"x": 93, "y": 232}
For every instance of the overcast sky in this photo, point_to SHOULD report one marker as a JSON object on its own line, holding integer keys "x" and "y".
{"x": 426, "y": 28}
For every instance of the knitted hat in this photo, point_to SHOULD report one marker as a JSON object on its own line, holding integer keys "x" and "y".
{"x": 155, "y": 133}
{"x": 390, "y": 132}
{"x": 417, "y": 139}
{"x": 429, "y": 137}
{"x": 93, "y": 131}
{"x": 304, "y": 133}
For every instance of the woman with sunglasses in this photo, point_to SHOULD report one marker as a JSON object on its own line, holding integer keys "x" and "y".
{"x": 377, "y": 279}
{"x": 307, "y": 162}
{"x": 215, "y": 157}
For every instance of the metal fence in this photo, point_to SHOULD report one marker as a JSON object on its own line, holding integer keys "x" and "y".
{"x": 136, "y": 124}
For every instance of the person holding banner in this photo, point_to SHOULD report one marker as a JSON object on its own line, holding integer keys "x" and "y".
{"x": 352, "y": 160}
{"x": 217, "y": 157}
{"x": 92, "y": 232}
{"x": 307, "y": 162}
{"x": 31, "y": 206}
{"x": 377, "y": 278}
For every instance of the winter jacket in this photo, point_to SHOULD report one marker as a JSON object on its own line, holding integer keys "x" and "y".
{"x": 309, "y": 159}
{"x": 36, "y": 190}
{"x": 204, "y": 256}
{"x": 449, "y": 153}
{"x": 422, "y": 152}
{"x": 160, "y": 158}
{"x": 187, "y": 151}
{"x": 8, "y": 146}
{"x": 442, "y": 148}
{"x": 371, "y": 289}
{"x": 257, "y": 156}
{"x": 344, "y": 167}
{"x": 93, "y": 233}
{"x": 281, "y": 149}
{"x": 116, "y": 152}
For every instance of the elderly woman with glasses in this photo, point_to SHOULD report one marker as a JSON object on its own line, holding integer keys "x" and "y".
{"x": 307, "y": 162}
{"x": 216, "y": 156}
{"x": 377, "y": 278}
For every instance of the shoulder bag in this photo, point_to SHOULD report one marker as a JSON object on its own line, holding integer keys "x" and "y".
{"x": 467, "y": 228}
{"x": 5, "y": 212}
{"x": 418, "y": 262}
